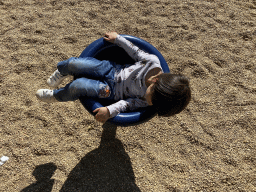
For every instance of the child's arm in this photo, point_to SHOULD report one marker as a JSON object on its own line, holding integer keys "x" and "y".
{"x": 124, "y": 105}
{"x": 104, "y": 113}
{"x": 132, "y": 50}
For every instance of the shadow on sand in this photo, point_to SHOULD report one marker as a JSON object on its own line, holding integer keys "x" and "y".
{"x": 43, "y": 174}
{"x": 107, "y": 168}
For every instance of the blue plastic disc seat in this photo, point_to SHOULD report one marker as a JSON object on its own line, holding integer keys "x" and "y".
{"x": 103, "y": 50}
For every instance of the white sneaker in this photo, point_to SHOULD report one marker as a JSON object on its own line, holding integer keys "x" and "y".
{"x": 55, "y": 79}
{"x": 46, "y": 95}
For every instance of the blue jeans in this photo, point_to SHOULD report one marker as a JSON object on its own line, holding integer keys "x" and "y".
{"x": 96, "y": 79}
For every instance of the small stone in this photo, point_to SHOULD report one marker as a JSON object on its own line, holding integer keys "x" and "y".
{"x": 4, "y": 159}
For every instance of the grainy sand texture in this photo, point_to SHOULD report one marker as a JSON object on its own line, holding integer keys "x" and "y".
{"x": 210, "y": 146}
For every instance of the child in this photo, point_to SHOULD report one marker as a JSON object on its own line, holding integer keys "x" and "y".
{"x": 132, "y": 86}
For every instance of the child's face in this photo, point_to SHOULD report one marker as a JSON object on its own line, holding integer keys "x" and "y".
{"x": 151, "y": 80}
{"x": 148, "y": 94}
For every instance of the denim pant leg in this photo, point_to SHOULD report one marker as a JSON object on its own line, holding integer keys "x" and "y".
{"x": 97, "y": 79}
{"x": 87, "y": 67}
{"x": 83, "y": 87}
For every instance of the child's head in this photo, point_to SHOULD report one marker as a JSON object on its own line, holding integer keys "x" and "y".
{"x": 171, "y": 94}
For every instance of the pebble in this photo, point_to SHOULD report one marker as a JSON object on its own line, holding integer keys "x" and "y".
{"x": 3, "y": 160}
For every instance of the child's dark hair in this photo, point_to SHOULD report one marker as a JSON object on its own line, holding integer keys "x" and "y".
{"x": 171, "y": 94}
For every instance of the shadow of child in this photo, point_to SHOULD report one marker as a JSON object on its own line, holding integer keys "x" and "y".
{"x": 43, "y": 174}
{"x": 107, "y": 168}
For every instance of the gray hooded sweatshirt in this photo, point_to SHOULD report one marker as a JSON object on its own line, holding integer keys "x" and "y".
{"x": 130, "y": 86}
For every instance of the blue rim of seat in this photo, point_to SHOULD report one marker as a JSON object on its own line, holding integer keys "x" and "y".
{"x": 129, "y": 118}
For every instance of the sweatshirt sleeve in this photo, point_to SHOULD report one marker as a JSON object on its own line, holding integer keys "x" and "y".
{"x": 124, "y": 105}
{"x": 135, "y": 52}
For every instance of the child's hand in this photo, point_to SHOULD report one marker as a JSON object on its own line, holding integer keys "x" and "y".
{"x": 102, "y": 114}
{"x": 110, "y": 36}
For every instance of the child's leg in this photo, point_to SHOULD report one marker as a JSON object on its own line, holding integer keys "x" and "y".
{"x": 83, "y": 87}
{"x": 88, "y": 67}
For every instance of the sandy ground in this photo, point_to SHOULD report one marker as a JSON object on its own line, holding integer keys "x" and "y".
{"x": 210, "y": 146}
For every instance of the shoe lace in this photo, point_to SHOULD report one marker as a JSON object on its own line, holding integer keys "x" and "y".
{"x": 55, "y": 76}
